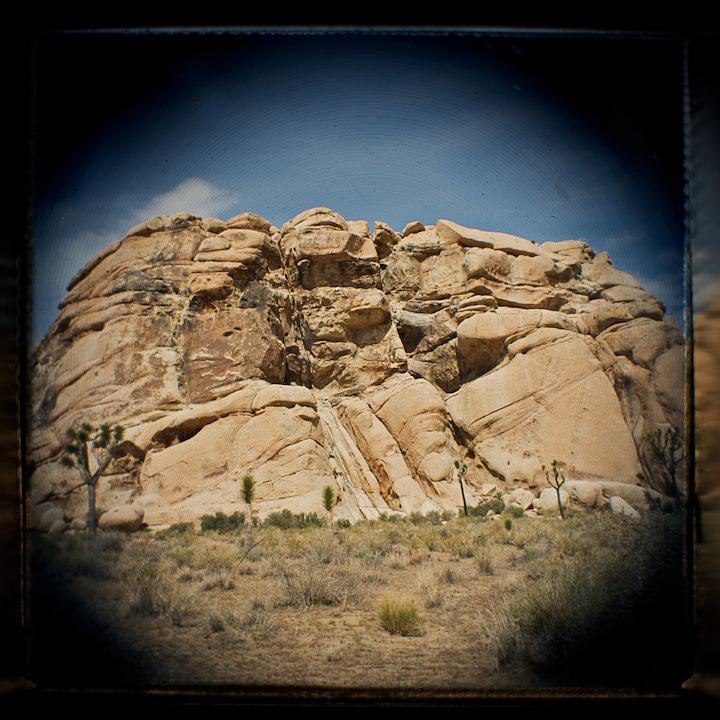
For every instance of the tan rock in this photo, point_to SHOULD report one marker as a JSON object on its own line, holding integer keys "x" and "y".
{"x": 520, "y": 497}
{"x": 641, "y": 340}
{"x": 546, "y": 404}
{"x": 318, "y": 217}
{"x": 668, "y": 379}
{"x": 452, "y": 232}
{"x": 483, "y": 338}
{"x": 622, "y": 507}
{"x": 547, "y": 501}
{"x": 211, "y": 285}
{"x": 47, "y": 517}
{"x": 443, "y": 275}
{"x": 359, "y": 227}
{"x": 601, "y": 271}
{"x": 123, "y": 519}
{"x": 469, "y": 237}
{"x": 250, "y": 221}
{"x": 412, "y": 227}
{"x": 213, "y": 225}
{"x": 317, "y": 355}
{"x": 575, "y": 250}
{"x": 384, "y": 239}
{"x": 328, "y": 244}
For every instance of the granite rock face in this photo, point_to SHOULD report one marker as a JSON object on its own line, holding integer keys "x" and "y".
{"x": 324, "y": 354}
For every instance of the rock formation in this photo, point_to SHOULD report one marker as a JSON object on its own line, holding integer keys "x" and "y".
{"x": 326, "y": 354}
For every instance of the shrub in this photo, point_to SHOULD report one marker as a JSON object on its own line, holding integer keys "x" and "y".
{"x": 111, "y": 540}
{"x": 494, "y": 504}
{"x": 177, "y": 605}
{"x": 460, "y": 544}
{"x": 499, "y": 630}
{"x": 307, "y": 584}
{"x": 391, "y": 518}
{"x": 343, "y": 524}
{"x": 217, "y": 624}
{"x": 431, "y": 591}
{"x": 516, "y": 511}
{"x": 483, "y": 562}
{"x": 219, "y": 581}
{"x": 222, "y": 523}
{"x": 285, "y": 520}
{"x": 258, "y": 620}
{"x": 144, "y": 588}
{"x": 399, "y": 617}
{"x": 448, "y": 576}
{"x": 177, "y": 530}
{"x": 216, "y": 558}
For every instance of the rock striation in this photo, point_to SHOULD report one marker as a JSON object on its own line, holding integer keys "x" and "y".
{"x": 326, "y": 354}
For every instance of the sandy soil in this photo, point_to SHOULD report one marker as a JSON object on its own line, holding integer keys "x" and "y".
{"x": 237, "y": 628}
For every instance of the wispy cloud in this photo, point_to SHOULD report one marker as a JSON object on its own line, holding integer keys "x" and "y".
{"x": 193, "y": 195}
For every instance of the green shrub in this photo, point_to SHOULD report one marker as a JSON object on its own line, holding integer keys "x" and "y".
{"x": 176, "y": 530}
{"x": 222, "y": 523}
{"x": 285, "y": 520}
{"x": 483, "y": 508}
{"x": 515, "y": 511}
{"x": 399, "y": 617}
{"x": 392, "y": 518}
{"x": 343, "y": 524}
{"x": 433, "y": 517}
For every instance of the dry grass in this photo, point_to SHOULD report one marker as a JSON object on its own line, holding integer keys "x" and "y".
{"x": 399, "y": 617}
{"x": 495, "y": 599}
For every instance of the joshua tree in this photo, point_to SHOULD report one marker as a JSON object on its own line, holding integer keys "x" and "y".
{"x": 329, "y": 501}
{"x": 462, "y": 469}
{"x": 76, "y": 454}
{"x": 665, "y": 449}
{"x": 556, "y": 481}
{"x": 248, "y": 492}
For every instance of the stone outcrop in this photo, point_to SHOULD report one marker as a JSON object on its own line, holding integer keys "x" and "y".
{"x": 323, "y": 354}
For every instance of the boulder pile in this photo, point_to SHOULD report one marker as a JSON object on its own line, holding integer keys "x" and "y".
{"x": 375, "y": 362}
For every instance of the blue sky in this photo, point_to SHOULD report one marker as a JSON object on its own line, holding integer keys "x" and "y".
{"x": 484, "y": 131}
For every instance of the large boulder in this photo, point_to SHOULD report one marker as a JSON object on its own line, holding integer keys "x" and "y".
{"x": 321, "y": 354}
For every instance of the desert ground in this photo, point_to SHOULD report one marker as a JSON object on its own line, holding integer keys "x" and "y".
{"x": 422, "y": 606}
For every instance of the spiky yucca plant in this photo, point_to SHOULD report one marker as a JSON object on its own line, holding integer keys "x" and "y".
{"x": 248, "y": 492}
{"x": 329, "y": 501}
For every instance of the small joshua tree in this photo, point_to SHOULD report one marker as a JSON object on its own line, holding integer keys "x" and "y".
{"x": 76, "y": 454}
{"x": 556, "y": 481}
{"x": 248, "y": 492}
{"x": 666, "y": 450}
{"x": 329, "y": 501}
{"x": 462, "y": 469}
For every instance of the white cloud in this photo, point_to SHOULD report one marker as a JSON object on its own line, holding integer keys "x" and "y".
{"x": 193, "y": 195}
